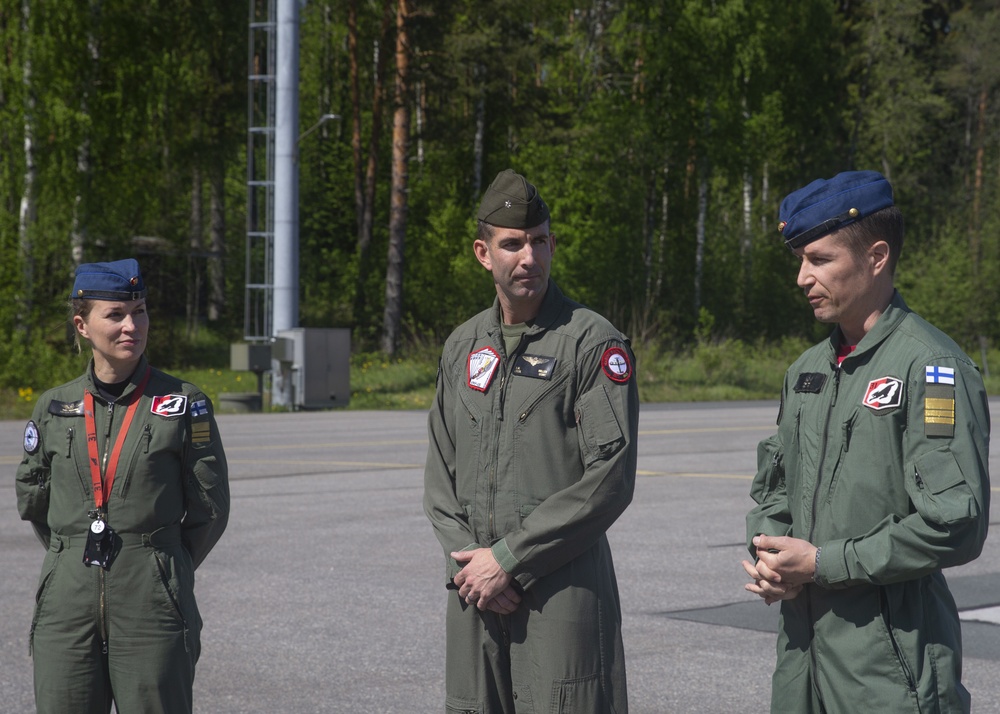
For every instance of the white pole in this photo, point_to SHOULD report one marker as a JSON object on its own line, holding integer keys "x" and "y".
{"x": 286, "y": 192}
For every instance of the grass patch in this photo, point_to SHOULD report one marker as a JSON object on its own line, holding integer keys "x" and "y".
{"x": 725, "y": 370}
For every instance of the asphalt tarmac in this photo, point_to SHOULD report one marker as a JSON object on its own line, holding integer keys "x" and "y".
{"x": 326, "y": 593}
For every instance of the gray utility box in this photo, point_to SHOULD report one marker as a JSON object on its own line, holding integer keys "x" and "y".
{"x": 249, "y": 357}
{"x": 321, "y": 365}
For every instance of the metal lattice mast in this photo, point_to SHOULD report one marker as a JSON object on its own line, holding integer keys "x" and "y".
{"x": 261, "y": 121}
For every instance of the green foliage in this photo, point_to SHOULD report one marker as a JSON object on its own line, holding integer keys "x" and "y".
{"x": 663, "y": 135}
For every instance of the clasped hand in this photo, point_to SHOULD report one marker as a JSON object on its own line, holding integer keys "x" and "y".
{"x": 483, "y": 583}
{"x": 783, "y": 566}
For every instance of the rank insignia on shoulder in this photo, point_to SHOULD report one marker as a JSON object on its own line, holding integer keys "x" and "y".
{"x": 883, "y": 393}
{"x": 482, "y": 366}
{"x": 32, "y": 441}
{"x": 169, "y": 405}
{"x": 66, "y": 408}
{"x": 201, "y": 433}
{"x": 535, "y": 366}
{"x": 616, "y": 365}
{"x": 939, "y": 410}
{"x": 811, "y": 382}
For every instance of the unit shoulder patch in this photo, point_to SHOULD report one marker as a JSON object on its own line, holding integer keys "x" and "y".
{"x": 482, "y": 366}
{"x": 883, "y": 393}
{"x": 169, "y": 405}
{"x": 32, "y": 441}
{"x": 616, "y": 365}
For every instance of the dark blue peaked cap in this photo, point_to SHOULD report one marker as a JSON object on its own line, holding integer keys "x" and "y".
{"x": 119, "y": 280}
{"x": 828, "y": 204}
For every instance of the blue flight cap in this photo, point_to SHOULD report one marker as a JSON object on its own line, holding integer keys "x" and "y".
{"x": 118, "y": 280}
{"x": 828, "y": 204}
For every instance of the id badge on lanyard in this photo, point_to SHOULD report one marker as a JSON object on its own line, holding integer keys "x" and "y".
{"x": 100, "y": 537}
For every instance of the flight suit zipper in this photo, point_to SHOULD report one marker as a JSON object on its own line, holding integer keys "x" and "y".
{"x": 493, "y": 482}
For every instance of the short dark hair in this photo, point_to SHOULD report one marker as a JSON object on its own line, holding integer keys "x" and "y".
{"x": 885, "y": 224}
{"x": 484, "y": 231}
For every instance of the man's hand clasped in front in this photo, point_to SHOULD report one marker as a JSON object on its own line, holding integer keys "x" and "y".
{"x": 783, "y": 566}
{"x": 483, "y": 583}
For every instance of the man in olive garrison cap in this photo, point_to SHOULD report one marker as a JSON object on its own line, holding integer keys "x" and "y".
{"x": 876, "y": 480}
{"x": 532, "y": 457}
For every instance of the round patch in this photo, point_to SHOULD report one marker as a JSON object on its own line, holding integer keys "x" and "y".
{"x": 616, "y": 365}
{"x": 31, "y": 440}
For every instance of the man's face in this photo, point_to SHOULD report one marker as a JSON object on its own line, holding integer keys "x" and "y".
{"x": 519, "y": 260}
{"x": 838, "y": 285}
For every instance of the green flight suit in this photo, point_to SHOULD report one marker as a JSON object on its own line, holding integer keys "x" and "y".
{"x": 130, "y": 633}
{"x": 533, "y": 454}
{"x": 882, "y": 463}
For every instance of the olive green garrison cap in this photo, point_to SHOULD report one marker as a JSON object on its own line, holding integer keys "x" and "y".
{"x": 512, "y": 202}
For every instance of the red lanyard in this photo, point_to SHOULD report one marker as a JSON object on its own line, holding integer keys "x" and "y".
{"x": 100, "y": 492}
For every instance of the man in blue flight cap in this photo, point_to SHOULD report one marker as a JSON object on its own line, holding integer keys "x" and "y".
{"x": 876, "y": 480}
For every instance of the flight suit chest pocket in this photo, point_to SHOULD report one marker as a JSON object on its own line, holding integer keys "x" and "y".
{"x": 601, "y": 434}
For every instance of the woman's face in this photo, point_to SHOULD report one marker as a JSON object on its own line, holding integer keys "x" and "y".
{"x": 116, "y": 331}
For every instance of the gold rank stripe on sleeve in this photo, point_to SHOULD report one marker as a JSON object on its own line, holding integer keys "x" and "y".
{"x": 939, "y": 410}
{"x": 201, "y": 432}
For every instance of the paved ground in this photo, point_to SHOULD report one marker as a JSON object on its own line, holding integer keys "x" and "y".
{"x": 325, "y": 594}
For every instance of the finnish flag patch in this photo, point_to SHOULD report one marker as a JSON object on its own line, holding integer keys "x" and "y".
{"x": 940, "y": 375}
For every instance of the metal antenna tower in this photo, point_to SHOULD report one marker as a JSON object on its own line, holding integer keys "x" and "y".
{"x": 261, "y": 121}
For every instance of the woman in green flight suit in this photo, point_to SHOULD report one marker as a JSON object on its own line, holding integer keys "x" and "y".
{"x": 124, "y": 480}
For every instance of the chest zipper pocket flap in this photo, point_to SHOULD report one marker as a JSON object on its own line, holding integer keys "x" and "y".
{"x": 600, "y": 431}
{"x": 770, "y": 471}
{"x": 939, "y": 490}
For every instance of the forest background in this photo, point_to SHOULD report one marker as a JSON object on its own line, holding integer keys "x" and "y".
{"x": 662, "y": 133}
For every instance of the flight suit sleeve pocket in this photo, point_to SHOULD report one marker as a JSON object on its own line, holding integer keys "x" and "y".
{"x": 770, "y": 471}
{"x": 939, "y": 490}
{"x": 601, "y": 434}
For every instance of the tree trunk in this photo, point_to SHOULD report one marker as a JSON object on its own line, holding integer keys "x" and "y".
{"x": 28, "y": 210}
{"x": 366, "y": 206}
{"x": 217, "y": 259}
{"x": 400, "y": 179}
{"x": 193, "y": 306}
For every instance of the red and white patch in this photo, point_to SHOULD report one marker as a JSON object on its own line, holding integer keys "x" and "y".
{"x": 615, "y": 364}
{"x": 884, "y": 393}
{"x": 482, "y": 366}
{"x": 169, "y": 405}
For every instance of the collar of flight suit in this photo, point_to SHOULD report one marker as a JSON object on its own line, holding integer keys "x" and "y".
{"x": 886, "y": 324}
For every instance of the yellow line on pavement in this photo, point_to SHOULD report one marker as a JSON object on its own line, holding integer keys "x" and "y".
{"x": 319, "y": 445}
{"x": 710, "y": 429}
{"x": 324, "y": 462}
{"x": 691, "y": 474}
